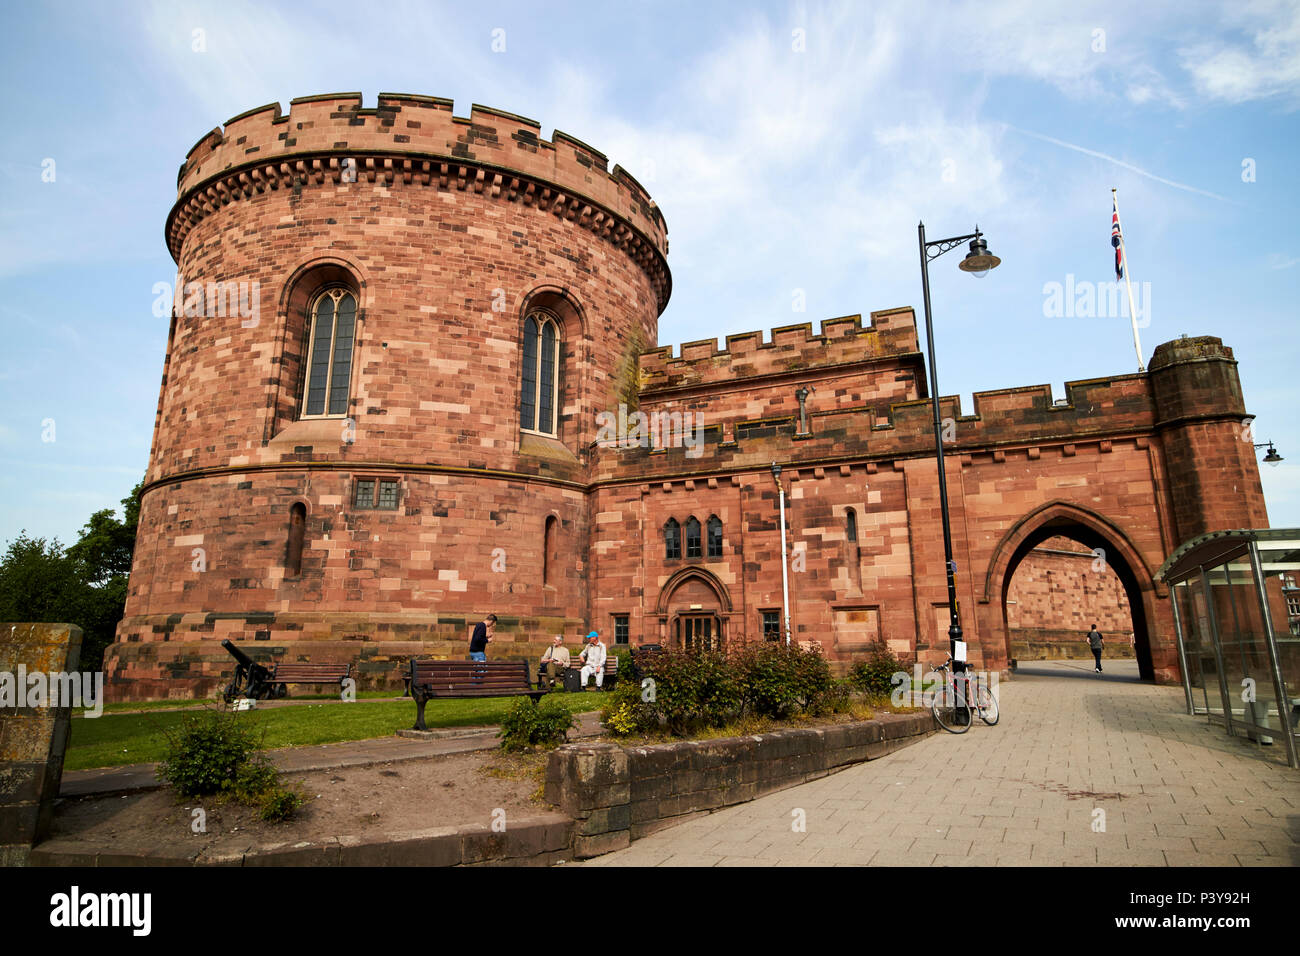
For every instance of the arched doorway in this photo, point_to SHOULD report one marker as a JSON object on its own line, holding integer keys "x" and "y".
{"x": 1112, "y": 549}
{"x": 694, "y": 611}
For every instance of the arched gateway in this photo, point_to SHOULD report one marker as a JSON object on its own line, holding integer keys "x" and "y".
{"x": 419, "y": 381}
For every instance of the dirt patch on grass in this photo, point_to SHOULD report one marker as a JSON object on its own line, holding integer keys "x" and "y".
{"x": 388, "y": 798}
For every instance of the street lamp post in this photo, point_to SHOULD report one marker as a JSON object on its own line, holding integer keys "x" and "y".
{"x": 978, "y": 261}
{"x": 785, "y": 581}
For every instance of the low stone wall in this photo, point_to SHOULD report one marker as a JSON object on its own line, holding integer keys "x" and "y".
{"x": 532, "y": 841}
{"x": 616, "y": 794}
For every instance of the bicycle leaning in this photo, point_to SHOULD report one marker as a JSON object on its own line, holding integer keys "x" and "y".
{"x": 957, "y": 698}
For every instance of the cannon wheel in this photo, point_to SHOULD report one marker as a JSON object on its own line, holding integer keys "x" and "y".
{"x": 230, "y": 692}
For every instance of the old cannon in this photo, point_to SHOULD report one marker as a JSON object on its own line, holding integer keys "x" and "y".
{"x": 251, "y": 678}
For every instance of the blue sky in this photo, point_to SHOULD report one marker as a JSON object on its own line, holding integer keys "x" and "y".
{"x": 791, "y": 147}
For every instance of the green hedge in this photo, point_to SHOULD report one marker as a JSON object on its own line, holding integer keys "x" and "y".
{"x": 685, "y": 691}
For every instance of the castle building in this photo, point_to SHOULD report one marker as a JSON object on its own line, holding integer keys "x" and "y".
{"x": 413, "y": 377}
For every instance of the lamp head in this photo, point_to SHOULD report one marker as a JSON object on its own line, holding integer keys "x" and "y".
{"x": 776, "y": 471}
{"x": 1272, "y": 457}
{"x": 979, "y": 260}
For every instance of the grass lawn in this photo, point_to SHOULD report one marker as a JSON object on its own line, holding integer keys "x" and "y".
{"x": 115, "y": 739}
{"x": 190, "y": 703}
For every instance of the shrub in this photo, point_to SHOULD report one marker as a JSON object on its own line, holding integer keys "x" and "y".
{"x": 779, "y": 681}
{"x": 280, "y": 803}
{"x": 836, "y": 699}
{"x": 874, "y": 675}
{"x": 528, "y": 725}
{"x": 693, "y": 689}
{"x": 625, "y": 666}
{"x": 625, "y": 713}
{"x": 254, "y": 779}
{"x": 769, "y": 677}
{"x": 205, "y": 754}
{"x": 214, "y": 752}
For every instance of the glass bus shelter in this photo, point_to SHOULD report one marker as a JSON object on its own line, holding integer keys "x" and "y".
{"x": 1237, "y": 613}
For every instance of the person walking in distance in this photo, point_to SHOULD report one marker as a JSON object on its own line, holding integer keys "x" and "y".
{"x": 1095, "y": 642}
{"x": 483, "y": 631}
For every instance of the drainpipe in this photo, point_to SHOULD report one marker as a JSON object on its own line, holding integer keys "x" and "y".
{"x": 785, "y": 580}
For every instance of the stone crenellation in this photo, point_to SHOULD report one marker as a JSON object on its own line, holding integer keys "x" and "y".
{"x": 417, "y": 140}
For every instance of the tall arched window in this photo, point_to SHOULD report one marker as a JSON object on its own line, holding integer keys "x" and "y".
{"x": 851, "y": 525}
{"x": 715, "y": 536}
{"x": 672, "y": 540}
{"x": 693, "y": 537}
{"x": 548, "y": 549}
{"x": 540, "y": 382}
{"x": 329, "y": 364}
{"x": 297, "y": 531}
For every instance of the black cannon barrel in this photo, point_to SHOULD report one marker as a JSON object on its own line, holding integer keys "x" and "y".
{"x": 237, "y": 654}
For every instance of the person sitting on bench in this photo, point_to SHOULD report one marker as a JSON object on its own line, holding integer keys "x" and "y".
{"x": 593, "y": 660}
{"x": 554, "y": 663}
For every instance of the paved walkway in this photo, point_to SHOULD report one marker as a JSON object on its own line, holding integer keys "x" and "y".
{"x": 1172, "y": 790}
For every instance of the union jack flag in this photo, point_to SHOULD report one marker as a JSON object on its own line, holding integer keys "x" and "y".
{"x": 1116, "y": 239}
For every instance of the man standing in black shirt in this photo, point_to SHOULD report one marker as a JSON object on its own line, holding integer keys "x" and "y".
{"x": 482, "y": 634}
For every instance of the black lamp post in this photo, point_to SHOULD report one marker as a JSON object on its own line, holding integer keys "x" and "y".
{"x": 978, "y": 261}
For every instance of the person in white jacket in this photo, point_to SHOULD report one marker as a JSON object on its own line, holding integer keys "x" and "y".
{"x": 593, "y": 660}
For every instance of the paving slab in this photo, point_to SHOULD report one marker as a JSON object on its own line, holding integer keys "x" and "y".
{"x": 1082, "y": 770}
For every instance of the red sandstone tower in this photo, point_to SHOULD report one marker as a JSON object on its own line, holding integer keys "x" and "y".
{"x": 367, "y": 298}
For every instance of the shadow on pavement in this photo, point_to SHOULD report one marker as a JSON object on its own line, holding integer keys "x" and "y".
{"x": 1117, "y": 671}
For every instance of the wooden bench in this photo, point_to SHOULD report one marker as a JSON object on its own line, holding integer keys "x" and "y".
{"x": 307, "y": 673}
{"x": 432, "y": 679}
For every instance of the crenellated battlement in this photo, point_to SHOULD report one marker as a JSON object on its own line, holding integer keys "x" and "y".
{"x": 1021, "y": 420}
{"x": 408, "y": 139}
{"x": 790, "y": 348}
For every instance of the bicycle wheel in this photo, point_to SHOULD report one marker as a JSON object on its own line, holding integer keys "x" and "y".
{"x": 947, "y": 710}
{"x": 988, "y": 703}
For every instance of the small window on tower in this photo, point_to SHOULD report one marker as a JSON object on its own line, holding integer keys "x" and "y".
{"x": 620, "y": 629}
{"x": 382, "y": 494}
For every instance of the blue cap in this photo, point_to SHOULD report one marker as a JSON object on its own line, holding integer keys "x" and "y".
{"x": 592, "y": 634}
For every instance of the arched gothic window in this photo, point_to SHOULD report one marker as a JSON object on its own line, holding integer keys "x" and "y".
{"x": 329, "y": 363}
{"x": 715, "y": 536}
{"x": 693, "y": 537}
{"x": 540, "y": 382}
{"x": 672, "y": 540}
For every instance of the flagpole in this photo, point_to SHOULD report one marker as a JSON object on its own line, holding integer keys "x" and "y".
{"x": 1128, "y": 281}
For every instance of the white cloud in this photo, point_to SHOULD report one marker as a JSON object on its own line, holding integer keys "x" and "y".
{"x": 1268, "y": 66}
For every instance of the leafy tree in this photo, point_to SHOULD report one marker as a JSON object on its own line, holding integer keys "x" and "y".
{"x": 39, "y": 582}
{"x": 84, "y": 584}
